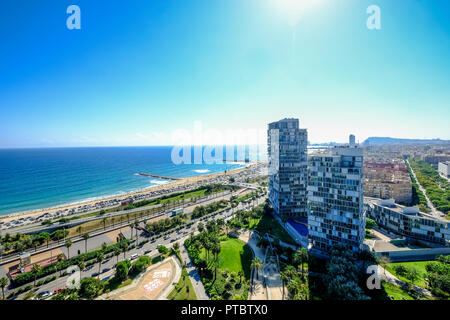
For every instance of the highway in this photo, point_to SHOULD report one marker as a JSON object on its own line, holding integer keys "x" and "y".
{"x": 202, "y": 201}
{"x": 150, "y": 248}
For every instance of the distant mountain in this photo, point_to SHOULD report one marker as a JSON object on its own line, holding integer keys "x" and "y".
{"x": 387, "y": 140}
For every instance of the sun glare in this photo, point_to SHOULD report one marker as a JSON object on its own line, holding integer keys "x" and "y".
{"x": 293, "y": 9}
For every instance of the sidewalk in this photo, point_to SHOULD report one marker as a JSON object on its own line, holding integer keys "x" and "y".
{"x": 258, "y": 290}
{"x": 389, "y": 277}
{"x": 193, "y": 275}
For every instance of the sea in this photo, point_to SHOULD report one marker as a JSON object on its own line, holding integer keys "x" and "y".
{"x": 41, "y": 178}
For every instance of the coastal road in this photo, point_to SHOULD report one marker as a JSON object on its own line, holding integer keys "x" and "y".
{"x": 150, "y": 247}
{"x": 189, "y": 207}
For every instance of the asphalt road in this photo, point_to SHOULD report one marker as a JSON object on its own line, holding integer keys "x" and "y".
{"x": 151, "y": 249}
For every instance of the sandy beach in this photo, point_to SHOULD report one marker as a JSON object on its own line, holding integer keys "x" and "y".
{"x": 170, "y": 185}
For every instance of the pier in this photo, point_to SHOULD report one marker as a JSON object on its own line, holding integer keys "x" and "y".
{"x": 158, "y": 176}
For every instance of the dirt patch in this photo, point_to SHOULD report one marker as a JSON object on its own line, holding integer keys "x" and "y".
{"x": 150, "y": 285}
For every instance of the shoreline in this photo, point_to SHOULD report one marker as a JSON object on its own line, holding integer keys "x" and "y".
{"x": 161, "y": 187}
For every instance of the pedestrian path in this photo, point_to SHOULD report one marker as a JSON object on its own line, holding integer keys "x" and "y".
{"x": 193, "y": 275}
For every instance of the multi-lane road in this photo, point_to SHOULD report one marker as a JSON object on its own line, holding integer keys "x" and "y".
{"x": 150, "y": 248}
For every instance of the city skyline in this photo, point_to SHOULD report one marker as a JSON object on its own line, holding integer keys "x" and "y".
{"x": 135, "y": 74}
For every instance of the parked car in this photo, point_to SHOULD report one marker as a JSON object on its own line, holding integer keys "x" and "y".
{"x": 44, "y": 294}
{"x": 134, "y": 256}
{"x": 59, "y": 290}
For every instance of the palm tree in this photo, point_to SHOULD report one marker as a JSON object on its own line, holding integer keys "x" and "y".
{"x": 132, "y": 227}
{"x": 45, "y": 236}
{"x": 124, "y": 248}
{"x": 240, "y": 274}
{"x": 136, "y": 225}
{"x": 79, "y": 229}
{"x": 128, "y": 217}
{"x": 99, "y": 258}
{"x": 117, "y": 253}
{"x": 85, "y": 237}
{"x": 120, "y": 221}
{"x": 104, "y": 220}
{"x": 81, "y": 265}
{"x": 112, "y": 220}
{"x": 3, "y": 284}
{"x": 68, "y": 245}
{"x": 301, "y": 256}
{"x": 35, "y": 270}
{"x": 60, "y": 258}
{"x": 35, "y": 245}
{"x": 257, "y": 264}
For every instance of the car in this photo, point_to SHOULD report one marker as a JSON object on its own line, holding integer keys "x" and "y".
{"x": 106, "y": 270}
{"x": 94, "y": 274}
{"x": 105, "y": 261}
{"x": 44, "y": 294}
{"x": 173, "y": 240}
{"x": 59, "y": 290}
{"x": 134, "y": 256}
{"x": 147, "y": 252}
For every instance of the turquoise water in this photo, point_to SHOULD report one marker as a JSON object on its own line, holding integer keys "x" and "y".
{"x": 41, "y": 178}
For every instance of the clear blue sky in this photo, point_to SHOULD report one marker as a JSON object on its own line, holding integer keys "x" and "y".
{"x": 140, "y": 69}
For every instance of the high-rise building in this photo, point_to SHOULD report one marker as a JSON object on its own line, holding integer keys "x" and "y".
{"x": 335, "y": 198}
{"x": 287, "y": 157}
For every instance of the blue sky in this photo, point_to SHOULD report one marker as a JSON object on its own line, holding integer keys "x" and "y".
{"x": 138, "y": 70}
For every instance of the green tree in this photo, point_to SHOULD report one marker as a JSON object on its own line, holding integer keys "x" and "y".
{"x": 90, "y": 287}
{"x": 99, "y": 259}
{"x": 124, "y": 247}
{"x": 122, "y": 270}
{"x": 257, "y": 265}
{"x": 68, "y": 244}
{"x": 117, "y": 253}
{"x": 36, "y": 269}
{"x": 60, "y": 259}
{"x": 300, "y": 257}
{"x": 85, "y": 238}
{"x": 3, "y": 283}
{"x": 412, "y": 274}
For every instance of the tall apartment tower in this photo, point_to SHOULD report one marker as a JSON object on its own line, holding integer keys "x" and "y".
{"x": 287, "y": 157}
{"x": 335, "y": 198}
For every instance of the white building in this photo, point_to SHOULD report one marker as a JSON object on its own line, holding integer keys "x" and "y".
{"x": 444, "y": 168}
{"x": 287, "y": 168}
{"x": 408, "y": 221}
{"x": 335, "y": 198}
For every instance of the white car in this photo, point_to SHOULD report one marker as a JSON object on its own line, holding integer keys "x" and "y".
{"x": 134, "y": 256}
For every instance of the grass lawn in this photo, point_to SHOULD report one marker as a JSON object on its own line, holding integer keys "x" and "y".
{"x": 184, "y": 289}
{"x": 395, "y": 291}
{"x": 235, "y": 255}
{"x": 270, "y": 225}
{"x": 420, "y": 265}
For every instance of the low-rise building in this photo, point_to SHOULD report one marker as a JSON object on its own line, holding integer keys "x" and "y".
{"x": 407, "y": 221}
{"x": 444, "y": 168}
